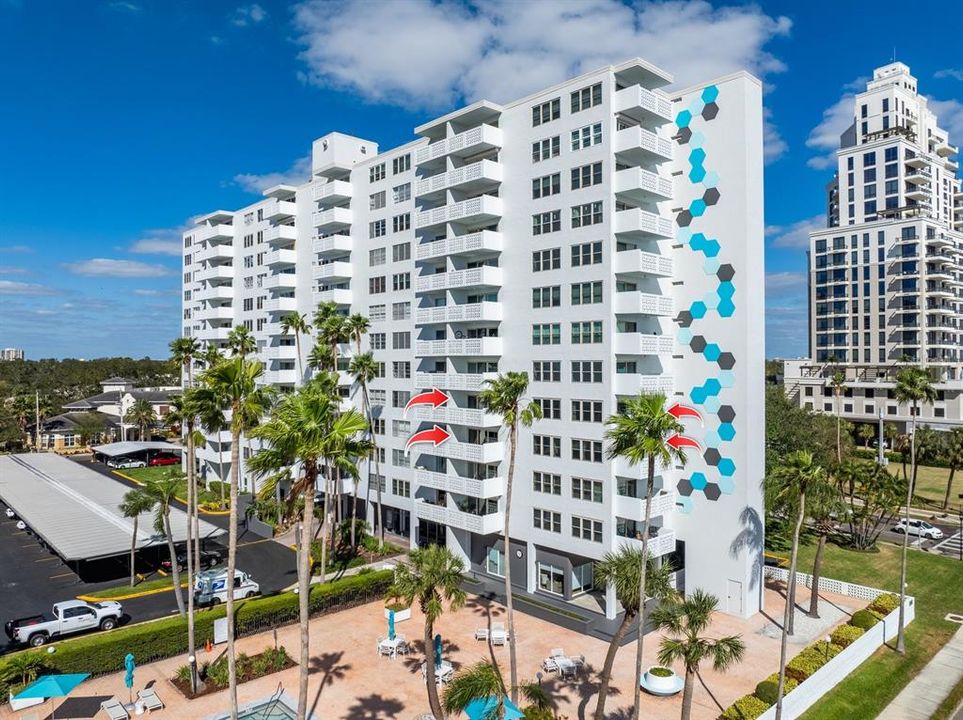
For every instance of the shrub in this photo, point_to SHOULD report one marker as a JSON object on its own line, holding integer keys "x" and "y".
{"x": 748, "y": 707}
{"x": 845, "y": 635}
{"x": 768, "y": 689}
{"x": 660, "y": 672}
{"x": 863, "y": 619}
{"x": 810, "y": 660}
{"x": 885, "y": 604}
{"x": 534, "y": 713}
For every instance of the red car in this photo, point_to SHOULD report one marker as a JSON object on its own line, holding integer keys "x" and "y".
{"x": 164, "y": 460}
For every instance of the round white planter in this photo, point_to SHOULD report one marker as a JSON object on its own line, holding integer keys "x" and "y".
{"x": 661, "y": 685}
{"x": 400, "y": 615}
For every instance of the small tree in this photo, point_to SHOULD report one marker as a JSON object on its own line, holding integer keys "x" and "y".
{"x": 484, "y": 680}
{"x": 163, "y": 491}
{"x": 141, "y": 414}
{"x": 954, "y": 458}
{"x": 867, "y": 433}
{"x": 298, "y": 324}
{"x": 135, "y": 504}
{"x": 241, "y": 342}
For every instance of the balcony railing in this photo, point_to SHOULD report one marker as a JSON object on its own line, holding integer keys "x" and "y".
{"x": 471, "y": 382}
{"x": 633, "y": 343}
{"x": 643, "y": 143}
{"x": 281, "y": 257}
{"x": 479, "y": 172}
{"x": 642, "y": 222}
{"x": 331, "y": 245}
{"x": 281, "y": 234}
{"x": 332, "y": 191}
{"x": 279, "y": 209}
{"x": 281, "y": 304}
{"x": 485, "y": 276}
{"x": 639, "y": 303}
{"x": 464, "y": 143}
{"x": 469, "y": 417}
{"x": 206, "y": 233}
{"x": 636, "y": 182}
{"x": 632, "y": 384}
{"x": 333, "y": 270}
{"x": 341, "y": 296}
{"x": 460, "y": 245}
{"x": 481, "y": 208}
{"x": 636, "y": 99}
{"x": 643, "y": 263}
{"x": 484, "y": 488}
{"x": 488, "y": 346}
{"x": 332, "y": 219}
{"x": 459, "y": 313}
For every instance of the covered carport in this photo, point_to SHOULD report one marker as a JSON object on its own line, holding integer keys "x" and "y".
{"x": 138, "y": 450}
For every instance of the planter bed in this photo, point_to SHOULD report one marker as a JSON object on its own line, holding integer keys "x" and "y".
{"x": 274, "y": 662}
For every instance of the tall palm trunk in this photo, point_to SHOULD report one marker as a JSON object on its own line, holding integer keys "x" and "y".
{"x": 433, "y": 701}
{"x": 687, "y": 693}
{"x": 949, "y": 486}
{"x": 380, "y": 511}
{"x": 133, "y": 553}
{"x": 232, "y": 561}
{"x": 610, "y": 663}
{"x": 636, "y": 683}
{"x": 787, "y": 614}
{"x": 817, "y": 575}
{"x": 297, "y": 346}
{"x": 324, "y": 521}
{"x": 904, "y": 553}
{"x": 304, "y": 589}
{"x": 509, "y": 599}
{"x": 354, "y": 506}
{"x": 175, "y": 570}
{"x": 191, "y": 504}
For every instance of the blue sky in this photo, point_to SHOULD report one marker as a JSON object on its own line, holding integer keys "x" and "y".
{"x": 123, "y": 118}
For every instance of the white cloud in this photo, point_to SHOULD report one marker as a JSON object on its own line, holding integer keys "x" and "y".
{"x": 216, "y": 40}
{"x": 16, "y": 249}
{"x": 248, "y": 15}
{"x": 795, "y": 235}
{"x": 123, "y": 6}
{"x": 780, "y": 284}
{"x": 824, "y": 138}
{"x": 108, "y": 267}
{"x": 774, "y": 146}
{"x": 431, "y": 54}
{"x": 9, "y": 287}
{"x": 150, "y": 292}
{"x": 159, "y": 241}
{"x": 949, "y": 113}
{"x": 949, "y": 73}
{"x": 299, "y": 172}
{"x": 12, "y": 270}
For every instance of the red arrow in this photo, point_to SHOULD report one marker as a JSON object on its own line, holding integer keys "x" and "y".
{"x": 436, "y": 398}
{"x": 436, "y": 436}
{"x": 680, "y": 411}
{"x": 680, "y": 441}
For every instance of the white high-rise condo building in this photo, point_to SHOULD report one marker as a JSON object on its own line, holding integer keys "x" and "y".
{"x": 603, "y": 235}
{"x": 885, "y": 276}
{"x": 11, "y": 353}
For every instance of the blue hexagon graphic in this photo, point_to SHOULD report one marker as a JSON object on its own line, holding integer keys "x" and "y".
{"x": 711, "y": 247}
{"x": 727, "y": 485}
{"x": 712, "y": 404}
{"x": 712, "y": 439}
{"x": 726, "y": 308}
{"x": 710, "y": 93}
{"x": 684, "y": 118}
{"x": 712, "y": 386}
{"x": 727, "y": 378}
{"x": 711, "y": 179}
{"x": 696, "y": 174}
{"x": 727, "y": 468}
{"x": 698, "y": 395}
{"x": 712, "y": 352}
{"x": 697, "y": 208}
{"x": 697, "y": 241}
{"x": 698, "y": 481}
{"x": 684, "y": 336}
{"x": 727, "y": 431}
{"x": 698, "y": 309}
{"x": 726, "y": 289}
{"x": 697, "y": 156}
{"x": 711, "y": 266}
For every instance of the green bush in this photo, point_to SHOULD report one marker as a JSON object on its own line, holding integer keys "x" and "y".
{"x": 885, "y": 604}
{"x": 768, "y": 689}
{"x": 533, "y": 713}
{"x": 811, "y": 659}
{"x": 863, "y": 619}
{"x": 748, "y": 707}
{"x": 845, "y": 635}
{"x": 660, "y": 672}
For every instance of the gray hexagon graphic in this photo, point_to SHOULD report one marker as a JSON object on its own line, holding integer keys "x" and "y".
{"x": 725, "y": 273}
{"x": 684, "y": 218}
{"x": 712, "y": 491}
{"x": 684, "y": 135}
{"x": 727, "y": 361}
{"x": 726, "y": 413}
{"x": 684, "y": 487}
{"x": 712, "y": 456}
{"x": 711, "y": 196}
{"x": 710, "y": 111}
{"x": 684, "y": 319}
{"x": 698, "y": 343}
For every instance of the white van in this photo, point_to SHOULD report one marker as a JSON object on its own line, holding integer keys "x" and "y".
{"x": 210, "y": 586}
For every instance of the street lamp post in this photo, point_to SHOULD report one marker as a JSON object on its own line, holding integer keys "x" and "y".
{"x": 960, "y": 543}
{"x": 879, "y": 441}
{"x": 192, "y": 661}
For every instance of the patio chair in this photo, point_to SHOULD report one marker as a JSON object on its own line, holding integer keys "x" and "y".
{"x": 557, "y": 652}
{"x": 114, "y": 709}
{"x": 549, "y": 665}
{"x": 497, "y": 637}
{"x": 481, "y": 633}
{"x": 150, "y": 699}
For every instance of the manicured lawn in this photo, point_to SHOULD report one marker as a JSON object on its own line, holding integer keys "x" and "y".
{"x": 931, "y": 484}
{"x": 146, "y": 474}
{"x": 934, "y": 580}
{"x": 163, "y": 583}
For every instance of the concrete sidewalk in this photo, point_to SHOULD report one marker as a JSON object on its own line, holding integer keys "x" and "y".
{"x": 924, "y": 693}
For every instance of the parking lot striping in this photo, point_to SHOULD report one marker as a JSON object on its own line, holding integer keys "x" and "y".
{"x": 47, "y": 559}
{"x": 53, "y": 577}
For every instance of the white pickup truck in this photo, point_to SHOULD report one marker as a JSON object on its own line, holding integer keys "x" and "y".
{"x": 67, "y": 617}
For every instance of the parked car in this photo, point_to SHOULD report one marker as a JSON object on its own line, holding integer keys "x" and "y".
{"x": 66, "y": 618}
{"x": 210, "y": 586}
{"x": 920, "y": 528}
{"x": 208, "y": 558}
{"x": 125, "y": 462}
{"x": 164, "y": 460}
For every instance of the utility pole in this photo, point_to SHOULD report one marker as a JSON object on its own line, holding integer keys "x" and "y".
{"x": 36, "y": 420}
{"x": 879, "y": 442}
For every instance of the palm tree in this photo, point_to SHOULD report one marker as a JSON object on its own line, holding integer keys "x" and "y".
{"x": 298, "y": 324}
{"x": 357, "y": 326}
{"x": 954, "y": 458}
{"x": 364, "y": 369}
{"x": 183, "y": 351}
{"x": 306, "y": 429}
{"x": 824, "y": 504}
{"x": 621, "y": 570}
{"x": 640, "y": 433}
{"x": 211, "y": 355}
{"x": 135, "y": 504}
{"x": 786, "y": 489}
{"x": 319, "y": 358}
{"x": 163, "y": 491}
{"x": 141, "y": 414}
{"x": 241, "y": 341}
{"x": 484, "y": 680}
{"x": 685, "y": 622}
{"x": 912, "y": 386}
{"x": 504, "y": 396}
{"x": 867, "y": 432}
{"x": 431, "y": 578}
{"x": 838, "y": 381}
{"x": 22, "y": 408}
{"x": 233, "y": 385}
{"x": 212, "y": 419}
{"x": 331, "y": 330}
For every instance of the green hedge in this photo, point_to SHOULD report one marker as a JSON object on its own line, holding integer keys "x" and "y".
{"x": 846, "y": 635}
{"x": 768, "y": 689}
{"x": 104, "y": 652}
{"x": 811, "y": 659}
{"x": 864, "y": 619}
{"x": 885, "y": 604}
{"x": 748, "y": 707}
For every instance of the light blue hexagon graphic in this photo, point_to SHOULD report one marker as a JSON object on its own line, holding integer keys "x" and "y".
{"x": 698, "y": 481}
{"x": 712, "y": 404}
{"x": 683, "y": 235}
{"x": 697, "y": 207}
{"x": 683, "y": 504}
{"x": 711, "y": 266}
{"x": 698, "y": 309}
{"x": 698, "y": 138}
{"x": 696, "y": 106}
{"x": 711, "y": 179}
{"x": 696, "y": 174}
{"x": 727, "y": 468}
{"x": 712, "y": 352}
{"x": 727, "y": 431}
{"x": 727, "y": 378}
{"x": 684, "y": 118}
{"x": 712, "y": 439}
{"x": 711, "y": 300}
{"x": 684, "y": 336}
{"x": 726, "y": 484}
{"x": 710, "y": 93}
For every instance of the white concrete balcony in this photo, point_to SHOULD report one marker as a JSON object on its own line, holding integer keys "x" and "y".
{"x": 639, "y": 303}
{"x": 279, "y": 209}
{"x": 459, "y": 313}
{"x": 472, "y": 382}
{"x": 642, "y": 222}
{"x": 337, "y": 270}
{"x": 222, "y": 251}
{"x": 217, "y": 292}
{"x": 336, "y": 218}
{"x": 216, "y": 272}
{"x": 214, "y": 334}
{"x": 428, "y": 511}
{"x": 281, "y": 257}
{"x": 659, "y": 546}
{"x": 479, "y": 277}
{"x": 336, "y": 245}
{"x": 470, "y": 177}
{"x": 640, "y": 145}
{"x": 340, "y": 296}
{"x": 469, "y": 417}
{"x": 281, "y": 234}
{"x": 219, "y": 312}
{"x": 633, "y": 343}
{"x": 333, "y": 191}
{"x": 488, "y": 346}
{"x": 622, "y": 468}
{"x": 640, "y": 262}
{"x": 919, "y": 176}
{"x": 639, "y": 184}
{"x": 281, "y": 304}
{"x": 636, "y": 101}
{"x": 484, "y": 208}
{"x": 944, "y": 149}
{"x": 486, "y": 488}
{"x": 280, "y": 352}
{"x": 633, "y": 384}
{"x": 479, "y": 242}
{"x": 918, "y": 161}
{"x": 282, "y": 377}
{"x": 208, "y": 233}
{"x": 634, "y": 508}
{"x": 282, "y": 281}
{"x": 480, "y": 524}
{"x": 919, "y": 192}
{"x": 484, "y": 453}
{"x": 464, "y": 144}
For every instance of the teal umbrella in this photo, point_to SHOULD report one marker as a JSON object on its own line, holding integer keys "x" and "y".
{"x": 484, "y": 708}
{"x": 438, "y": 651}
{"x": 129, "y": 675}
{"x": 51, "y": 686}
{"x": 391, "y": 624}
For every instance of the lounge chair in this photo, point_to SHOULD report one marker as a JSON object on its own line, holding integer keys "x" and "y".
{"x": 151, "y": 701}
{"x": 481, "y": 633}
{"x": 557, "y": 652}
{"x": 114, "y": 709}
{"x": 549, "y": 665}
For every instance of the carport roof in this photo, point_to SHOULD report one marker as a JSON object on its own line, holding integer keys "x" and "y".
{"x": 75, "y": 509}
{"x": 126, "y": 448}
